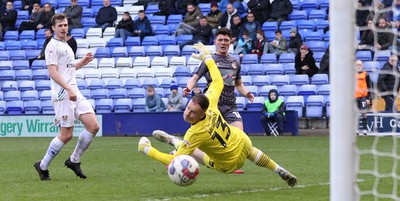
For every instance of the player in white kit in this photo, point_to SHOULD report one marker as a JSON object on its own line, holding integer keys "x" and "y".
{"x": 68, "y": 101}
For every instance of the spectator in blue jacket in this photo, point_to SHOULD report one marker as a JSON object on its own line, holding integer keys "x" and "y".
{"x": 125, "y": 27}
{"x": 106, "y": 16}
{"x": 153, "y": 101}
{"x": 142, "y": 26}
{"x": 251, "y": 26}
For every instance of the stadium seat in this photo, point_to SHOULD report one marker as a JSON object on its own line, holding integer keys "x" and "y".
{"x": 182, "y": 81}
{"x": 305, "y": 24}
{"x": 25, "y": 85}
{"x": 31, "y": 54}
{"x": 166, "y": 82}
{"x": 14, "y": 107}
{"x": 250, "y": 59}
{"x": 324, "y": 90}
{"x": 188, "y": 50}
{"x": 152, "y": 8}
{"x": 192, "y": 62}
{"x": 110, "y": 73}
{"x": 167, "y": 40}
{"x": 96, "y": 84}
{"x": 139, "y": 104}
{"x": 119, "y": 52}
{"x": 156, "y": 20}
{"x": 17, "y": 5}
{"x": 311, "y": 35}
{"x": 318, "y": 56}
{"x": 29, "y": 95}
{"x": 88, "y": 21}
{"x": 246, "y": 80}
{"x": 109, "y": 33}
{"x": 104, "y": 106}
{"x": 162, "y": 30}
{"x": 177, "y": 61}
{"x": 12, "y": 96}
{"x": 11, "y": 35}
{"x": 288, "y": 90}
{"x": 107, "y": 63}
{"x": 86, "y": 93}
{"x": 38, "y": 64}
{"x": 132, "y": 41}
{"x": 257, "y": 104}
{"x": 102, "y": 52}
{"x": 20, "y": 64}
{"x": 27, "y": 35}
{"x": 295, "y": 103}
{"x": 118, "y": 93}
{"x": 315, "y": 106}
{"x": 97, "y": 42}
{"x": 268, "y": 58}
{"x": 150, "y": 40}
{"x": 47, "y": 107}
{"x": 289, "y": 69}
{"x": 280, "y": 80}
{"x": 273, "y": 69}
{"x": 17, "y": 54}
{"x": 44, "y": 95}
{"x": 159, "y": 62}
{"x": 307, "y": 90}
{"x": 162, "y": 72}
{"x": 99, "y": 93}
{"x": 382, "y": 55}
{"x": 174, "y": 19}
{"x": 9, "y": 86}
{"x": 27, "y": 44}
{"x": 42, "y": 85}
{"x": 132, "y": 83}
{"x": 320, "y": 79}
{"x": 299, "y": 80}
{"x": 241, "y": 103}
{"x": 269, "y": 26}
{"x": 150, "y": 82}
{"x": 287, "y": 25}
{"x": 183, "y": 38}
{"x": 316, "y": 46}
{"x": 137, "y": 93}
{"x": 115, "y": 42}
{"x": 317, "y": 14}
{"x": 25, "y": 74}
{"x": 298, "y": 15}
{"x": 7, "y": 75}
{"x": 141, "y": 62}
{"x": 137, "y": 51}
{"x": 4, "y": 55}
{"x": 364, "y": 55}
{"x": 127, "y": 73}
{"x": 81, "y": 43}
{"x": 264, "y": 90}
{"x": 82, "y": 84}
{"x": 154, "y": 50}
{"x": 124, "y": 62}
{"x": 40, "y": 74}
{"x": 261, "y": 80}
{"x": 321, "y": 24}
{"x": 182, "y": 71}
{"x": 12, "y": 45}
{"x": 2, "y": 107}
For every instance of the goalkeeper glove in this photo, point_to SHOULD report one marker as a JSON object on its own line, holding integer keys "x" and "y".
{"x": 203, "y": 51}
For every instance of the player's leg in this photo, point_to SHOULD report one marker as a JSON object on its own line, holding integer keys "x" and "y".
{"x": 145, "y": 147}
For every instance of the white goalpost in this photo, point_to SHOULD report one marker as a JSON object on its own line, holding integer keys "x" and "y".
{"x": 343, "y": 117}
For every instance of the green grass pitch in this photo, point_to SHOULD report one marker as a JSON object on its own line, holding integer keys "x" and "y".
{"x": 116, "y": 171}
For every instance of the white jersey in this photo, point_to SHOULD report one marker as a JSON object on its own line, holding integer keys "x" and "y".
{"x": 59, "y": 53}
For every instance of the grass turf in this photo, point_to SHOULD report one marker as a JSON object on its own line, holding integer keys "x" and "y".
{"x": 116, "y": 171}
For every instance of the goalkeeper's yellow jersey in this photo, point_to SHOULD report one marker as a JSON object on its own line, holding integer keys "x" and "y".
{"x": 213, "y": 135}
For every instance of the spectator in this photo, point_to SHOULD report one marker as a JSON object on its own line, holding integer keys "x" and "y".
{"x": 28, "y": 5}
{"x": 363, "y": 94}
{"x": 258, "y": 45}
{"x": 278, "y": 45}
{"x": 235, "y": 28}
{"x": 385, "y": 36}
{"x": 226, "y": 19}
{"x": 145, "y": 3}
{"x": 213, "y": 17}
{"x": 33, "y": 20}
{"x": 295, "y": 41}
{"x": 251, "y": 26}
{"x": 244, "y": 45}
{"x": 260, "y": 8}
{"x": 8, "y": 18}
{"x": 142, "y": 26}
{"x": 191, "y": 20}
{"x": 166, "y": 7}
{"x": 273, "y": 111}
{"x": 125, "y": 27}
{"x": 393, "y": 16}
{"x": 304, "y": 62}
{"x": 235, "y": 3}
{"x": 153, "y": 101}
{"x": 48, "y": 34}
{"x": 280, "y": 10}
{"x": 175, "y": 99}
{"x": 106, "y": 16}
{"x": 324, "y": 64}
{"x": 196, "y": 90}
{"x": 181, "y": 6}
{"x": 74, "y": 15}
{"x": 201, "y": 33}
{"x": 45, "y": 17}
{"x": 362, "y": 14}
{"x": 388, "y": 83}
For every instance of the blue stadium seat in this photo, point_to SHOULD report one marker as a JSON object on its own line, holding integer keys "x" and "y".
{"x": 123, "y": 105}
{"x": 289, "y": 69}
{"x": 117, "y": 2}
{"x": 38, "y": 64}
{"x": 150, "y": 81}
{"x": 172, "y": 50}
{"x": 269, "y": 26}
{"x": 27, "y": 35}
{"x": 42, "y": 85}
{"x": 115, "y": 42}
{"x": 287, "y": 25}
{"x": 182, "y": 71}
{"x": 40, "y": 74}
{"x": 305, "y": 24}
{"x": 298, "y": 15}
{"x": 104, "y": 106}
{"x": 137, "y": 93}
{"x": 4, "y": 55}
{"x": 20, "y": 64}
{"x": 17, "y": 5}
{"x": 261, "y": 80}
{"x": 82, "y": 84}
{"x": 17, "y": 54}
{"x": 102, "y": 52}
{"x": 269, "y": 58}
{"x": 167, "y": 40}
{"x": 14, "y": 107}
{"x": 309, "y": 5}
{"x": 317, "y": 14}
{"x": 118, "y": 93}
{"x": 321, "y": 24}
{"x": 29, "y": 45}
{"x": 87, "y": 12}
{"x": 174, "y": 19}
{"x": 320, "y": 79}
{"x": 318, "y": 56}
{"x": 241, "y": 103}
{"x": 64, "y": 3}
{"x": 246, "y": 80}
{"x": 40, "y": 34}
{"x": 315, "y": 106}
{"x": 45, "y": 95}
{"x": 47, "y": 107}
{"x": 114, "y": 84}
{"x": 78, "y": 33}
{"x": 6, "y": 65}
{"x": 1, "y": 96}
{"x": 166, "y": 82}
{"x": 324, "y": 4}
{"x": 88, "y": 21}
{"x": 7, "y": 75}
{"x": 96, "y": 84}
{"x": 287, "y": 58}
{"x": 25, "y": 74}
{"x": 157, "y": 19}
{"x": 250, "y": 59}
{"x": 12, "y": 96}
{"x": 2, "y": 107}
{"x": 154, "y": 50}
{"x": 11, "y": 35}
{"x": 324, "y": 90}
{"x": 182, "y": 81}
{"x": 382, "y": 55}
{"x": 295, "y": 103}
{"x": 119, "y": 52}
{"x": 99, "y": 94}
{"x": 273, "y": 69}
{"x": 255, "y": 69}
{"x": 150, "y": 40}
{"x": 183, "y": 38}
{"x": 26, "y": 85}
{"x": 257, "y": 104}
{"x": 29, "y": 95}
{"x": 86, "y": 93}
{"x": 299, "y": 80}
{"x": 280, "y": 80}
{"x": 31, "y": 54}
{"x": 205, "y": 7}
{"x": 9, "y": 86}
{"x": 311, "y": 35}
{"x": 136, "y": 51}
{"x": 139, "y": 104}
{"x": 188, "y": 50}
{"x": 316, "y": 46}
{"x": 2, "y": 46}
{"x": 162, "y": 29}
{"x": 132, "y": 83}
{"x": 252, "y": 89}
{"x": 152, "y": 8}
{"x": 269, "y": 35}
{"x": 264, "y": 90}
{"x": 307, "y": 90}
{"x": 132, "y": 41}
{"x": 364, "y": 55}
{"x": 288, "y": 90}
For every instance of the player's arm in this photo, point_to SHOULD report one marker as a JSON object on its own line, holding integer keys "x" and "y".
{"x": 243, "y": 91}
{"x": 84, "y": 61}
{"x": 189, "y": 86}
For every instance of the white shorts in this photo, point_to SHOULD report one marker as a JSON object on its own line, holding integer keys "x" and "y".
{"x": 67, "y": 111}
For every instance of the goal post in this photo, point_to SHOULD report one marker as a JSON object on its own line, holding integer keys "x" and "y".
{"x": 343, "y": 113}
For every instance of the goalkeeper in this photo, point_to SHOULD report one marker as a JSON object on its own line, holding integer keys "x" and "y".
{"x": 210, "y": 139}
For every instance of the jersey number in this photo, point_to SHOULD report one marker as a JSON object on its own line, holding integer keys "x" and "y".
{"x": 225, "y": 130}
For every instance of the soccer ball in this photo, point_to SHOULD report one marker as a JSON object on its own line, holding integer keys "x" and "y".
{"x": 183, "y": 170}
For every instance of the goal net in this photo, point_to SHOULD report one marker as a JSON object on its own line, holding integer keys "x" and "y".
{"x": 364, "y": 166}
